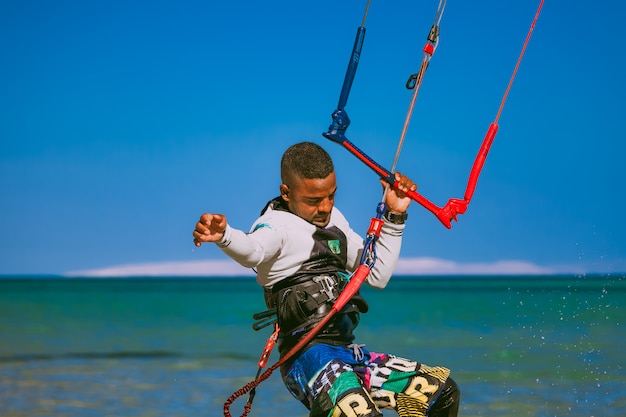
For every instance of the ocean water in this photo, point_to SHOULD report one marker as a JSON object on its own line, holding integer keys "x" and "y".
{"x": 517, "y": 346}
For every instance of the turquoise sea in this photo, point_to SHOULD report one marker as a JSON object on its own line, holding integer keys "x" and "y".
{"x": 517, "y": 346}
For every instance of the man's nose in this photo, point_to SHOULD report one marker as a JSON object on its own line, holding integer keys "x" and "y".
{"x": 325, "y": 206}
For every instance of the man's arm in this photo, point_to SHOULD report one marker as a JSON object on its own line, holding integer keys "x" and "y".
{"x": 249, "y": 250}
{"x": 387, "y": 251}
{"x": 390, "y": 242}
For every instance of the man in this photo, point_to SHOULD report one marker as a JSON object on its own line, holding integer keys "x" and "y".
{"x": 304, "y": 250}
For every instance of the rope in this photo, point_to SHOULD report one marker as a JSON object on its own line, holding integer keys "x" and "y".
{"x": 519, "y": 60}
{"x": 456, "y": 206}
{"x": 367, "y": 8}
{"x": 429, "y": 50}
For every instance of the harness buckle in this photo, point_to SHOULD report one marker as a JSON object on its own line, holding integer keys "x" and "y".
{"x": 327, "y": 284}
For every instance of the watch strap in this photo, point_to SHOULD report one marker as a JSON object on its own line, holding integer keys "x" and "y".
{"x": 395, "y": 218}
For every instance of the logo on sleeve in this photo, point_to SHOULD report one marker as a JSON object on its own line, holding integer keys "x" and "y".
{"x": 260, "y": 226}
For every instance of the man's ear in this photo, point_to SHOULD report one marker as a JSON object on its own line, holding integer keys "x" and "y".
{"x": 284, "y": 192}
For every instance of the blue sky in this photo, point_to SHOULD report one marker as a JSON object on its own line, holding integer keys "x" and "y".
{"x": 122, "y": 122}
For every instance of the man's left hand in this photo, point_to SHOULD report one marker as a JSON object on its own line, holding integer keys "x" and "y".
{"x": 396, "y": 199}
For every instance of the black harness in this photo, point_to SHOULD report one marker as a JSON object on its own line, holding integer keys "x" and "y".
{"x": 299, "y": 303}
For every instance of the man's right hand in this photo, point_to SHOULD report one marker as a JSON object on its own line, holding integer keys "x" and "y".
{"x": 210, "y": 228}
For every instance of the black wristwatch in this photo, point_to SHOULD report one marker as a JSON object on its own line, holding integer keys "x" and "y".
{"x": 395, "y": 218}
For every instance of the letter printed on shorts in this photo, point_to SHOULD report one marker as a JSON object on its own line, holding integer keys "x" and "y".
{"x": 420, "y": 388}
{"x": 353, "y": 405}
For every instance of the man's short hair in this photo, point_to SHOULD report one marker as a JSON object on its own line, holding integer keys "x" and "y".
{"x": 305, "y": 160}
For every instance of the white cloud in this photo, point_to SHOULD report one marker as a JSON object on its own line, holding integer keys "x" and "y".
{"x": 435, "y": 266}
{"x": 183, "y": 269}
{"x": 405, "y": 266}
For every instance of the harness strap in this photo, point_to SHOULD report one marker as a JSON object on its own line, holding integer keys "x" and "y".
{"x": 304, "y": 301}
{"x": 319, "y": 286}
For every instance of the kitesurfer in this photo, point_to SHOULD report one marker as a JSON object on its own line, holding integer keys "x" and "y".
{"x": 303, "y": 251}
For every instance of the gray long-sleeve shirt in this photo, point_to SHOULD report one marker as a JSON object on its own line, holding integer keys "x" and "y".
{"x": 280, "y": 243}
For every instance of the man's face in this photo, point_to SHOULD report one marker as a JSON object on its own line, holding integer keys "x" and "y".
{"x": 311, "y": 199}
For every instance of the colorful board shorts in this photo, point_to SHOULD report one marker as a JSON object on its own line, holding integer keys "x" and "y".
{"x": 337, "y": 381}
